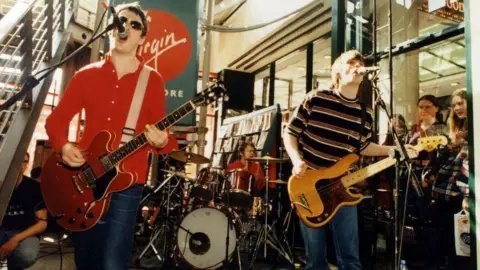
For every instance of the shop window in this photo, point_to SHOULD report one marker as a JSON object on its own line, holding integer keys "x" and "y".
{"x": 437, "y": 69}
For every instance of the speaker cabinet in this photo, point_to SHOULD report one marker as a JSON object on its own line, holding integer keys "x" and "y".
{"x": 239, "y": 87}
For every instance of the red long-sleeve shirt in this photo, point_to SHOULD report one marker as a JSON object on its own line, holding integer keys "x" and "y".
{"x": 253, "y": 169}
{"x": 106, "y": 100}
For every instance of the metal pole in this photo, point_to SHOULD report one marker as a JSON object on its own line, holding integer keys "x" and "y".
{"x": 95, "y": 52}
{"x": 205, "y": 76}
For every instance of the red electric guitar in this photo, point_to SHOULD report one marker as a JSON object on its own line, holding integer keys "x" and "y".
{"x": 79, "y": 197}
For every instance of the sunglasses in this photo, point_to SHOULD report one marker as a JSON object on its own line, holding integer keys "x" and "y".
{"x": 133, "y": 24}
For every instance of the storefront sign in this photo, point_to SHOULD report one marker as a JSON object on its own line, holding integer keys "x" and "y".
{"x": 171, "y": 48}
{"x": 451, "y": 10}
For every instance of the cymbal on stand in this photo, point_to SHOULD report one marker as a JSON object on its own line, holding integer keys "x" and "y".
{"x": 278, "y": 181}
{"x": 268, "y": 159}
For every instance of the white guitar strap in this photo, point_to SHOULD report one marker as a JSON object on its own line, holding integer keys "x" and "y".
{"x": 129, "y": 130}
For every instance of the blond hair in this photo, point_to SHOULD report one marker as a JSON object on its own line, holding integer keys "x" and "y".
{"x": 454, "y": 123}
{"x": 343, "y": 59}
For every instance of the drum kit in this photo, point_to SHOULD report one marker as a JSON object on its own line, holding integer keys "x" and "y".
{"x": 211, "y": 220}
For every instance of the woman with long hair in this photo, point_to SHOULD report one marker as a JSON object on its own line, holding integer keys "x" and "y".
{"x": 448, "y": 172}
{"x": 457, "y": 121}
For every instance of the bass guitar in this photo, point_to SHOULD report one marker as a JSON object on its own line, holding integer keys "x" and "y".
{"x": 79, "y": 197}
{"x": 318, "y": 195}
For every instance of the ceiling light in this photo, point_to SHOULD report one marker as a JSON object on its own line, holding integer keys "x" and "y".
{"x": 421, "y": 91}
{"x": 327, "y": 57}
{"x": 455, "y": 84}
{"x": 301, "y": 68}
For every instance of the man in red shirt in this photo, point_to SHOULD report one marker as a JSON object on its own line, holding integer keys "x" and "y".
{"x": 246, "y": 150}
{"x": 105, "y": 90}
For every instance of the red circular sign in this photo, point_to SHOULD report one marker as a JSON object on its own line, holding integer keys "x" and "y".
{"x": 167, "y": 47}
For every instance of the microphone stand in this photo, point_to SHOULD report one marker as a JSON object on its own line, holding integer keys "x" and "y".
{"x": 401, "y": 155}
{"x": 31, "y": 82}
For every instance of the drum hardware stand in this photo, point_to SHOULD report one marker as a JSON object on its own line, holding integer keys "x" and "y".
{"x": 226, "y": 263}
{"x": 164, "y": 217}
{"x": 265, "y": 236}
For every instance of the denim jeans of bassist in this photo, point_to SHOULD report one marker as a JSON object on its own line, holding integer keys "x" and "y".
{"x": 108, "y": 245}
{"x": 344, "y": 228}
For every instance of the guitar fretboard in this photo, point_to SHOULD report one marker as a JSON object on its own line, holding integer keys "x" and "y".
{"x": 140, "y": 140}
{"x": 360, "y": 175}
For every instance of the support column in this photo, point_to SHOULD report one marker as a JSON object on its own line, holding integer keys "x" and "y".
{"x": 205, "y": 77}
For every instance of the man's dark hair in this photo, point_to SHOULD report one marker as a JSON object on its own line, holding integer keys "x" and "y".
{"x": 137, "y": 9}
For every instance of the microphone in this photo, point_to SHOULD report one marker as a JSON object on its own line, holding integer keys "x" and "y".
{"x": 122, "y": 33}
{"x": 367, "y": 70}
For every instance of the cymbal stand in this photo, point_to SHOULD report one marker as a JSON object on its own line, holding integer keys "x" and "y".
{"x": 157, "y": 234}
{"x": 165, "y": 227}
{"x": 267, "y": 236}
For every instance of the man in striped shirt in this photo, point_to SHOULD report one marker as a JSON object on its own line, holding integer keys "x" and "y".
{"x": 324, "y": 128}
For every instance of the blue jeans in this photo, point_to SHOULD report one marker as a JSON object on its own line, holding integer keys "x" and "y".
{"x": 344, "y": 228}
{"x": 108, "y": 245}
{"x": 25, "y": 254}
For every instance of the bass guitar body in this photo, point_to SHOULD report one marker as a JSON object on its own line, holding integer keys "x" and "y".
{"x": 319, "y": 194}
{"x": 79, "y": 197}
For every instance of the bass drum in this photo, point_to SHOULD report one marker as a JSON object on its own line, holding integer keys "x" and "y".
{"x": 202, "y": 238}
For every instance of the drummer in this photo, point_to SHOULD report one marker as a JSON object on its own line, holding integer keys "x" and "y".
{"x": 250, "y": 169}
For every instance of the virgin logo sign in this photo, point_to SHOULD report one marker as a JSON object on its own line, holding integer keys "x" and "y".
{"x": 167, "y": 47}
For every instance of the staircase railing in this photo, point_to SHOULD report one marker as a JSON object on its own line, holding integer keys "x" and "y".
{"x": 32, "y": 36}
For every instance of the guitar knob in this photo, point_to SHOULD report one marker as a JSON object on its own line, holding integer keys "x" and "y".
{"x": 83, "y": 225}
{"x": 90, "y": 215}
{"x": 59, "y": 164}
{"x": 71, "y": 220}
{"x": 79, "y": 211}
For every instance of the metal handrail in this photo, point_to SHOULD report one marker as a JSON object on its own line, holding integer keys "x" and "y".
{"x": 28, "y": 34}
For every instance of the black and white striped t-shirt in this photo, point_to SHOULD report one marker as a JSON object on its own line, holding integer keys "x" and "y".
{"x": 328, "y": 127}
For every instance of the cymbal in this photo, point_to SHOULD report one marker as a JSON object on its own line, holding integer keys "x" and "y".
{"x": 268, "y": 159}
{"x": 180, "y": 174}
{"x": 183, "y": 156}
{"x": 278, "y": 181}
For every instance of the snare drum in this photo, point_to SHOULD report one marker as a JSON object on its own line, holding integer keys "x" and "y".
{"x": 236, "y": 191}
{"x": 201, "y": 237}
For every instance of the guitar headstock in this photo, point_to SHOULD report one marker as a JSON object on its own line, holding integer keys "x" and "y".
{"x": 431, "y": 143}
{"x": 210, "y": 95}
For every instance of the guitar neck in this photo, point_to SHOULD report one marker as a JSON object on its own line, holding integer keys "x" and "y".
{"x": 140, "y": 140}
{"x": 362, "y": 174}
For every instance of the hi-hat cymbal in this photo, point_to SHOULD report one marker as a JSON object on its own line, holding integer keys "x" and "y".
{"x": 183, "y": 156}
{"x": 180, "y": 174}
{"x": 278, "y": 182}
{"x": 268, "y": 159}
